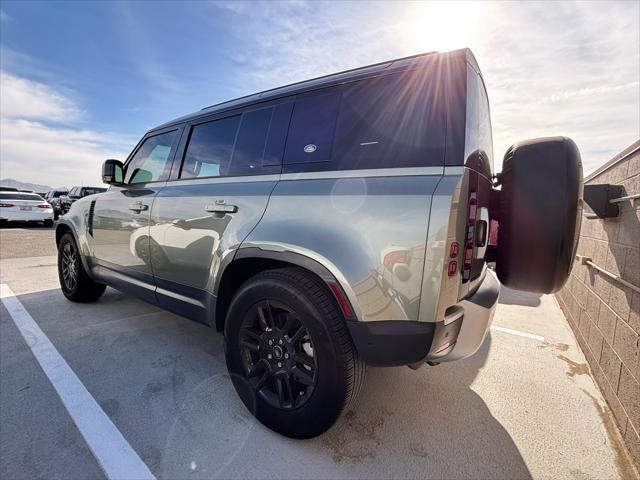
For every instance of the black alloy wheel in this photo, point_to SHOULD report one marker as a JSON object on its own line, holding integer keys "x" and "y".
{"x": 69, "y": 262}
{"x": 278, "y": 355}
{"x": 75, "y": 282}
{"x": 289, "y": 353}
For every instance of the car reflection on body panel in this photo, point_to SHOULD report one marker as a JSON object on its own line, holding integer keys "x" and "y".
{"x": 176, "y": 243}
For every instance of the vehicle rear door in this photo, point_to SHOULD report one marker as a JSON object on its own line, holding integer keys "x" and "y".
{"x": 119, "y": 227}
{"x": 228, "y": 166}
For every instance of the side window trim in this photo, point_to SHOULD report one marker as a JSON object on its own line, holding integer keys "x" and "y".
{"x": 172, "y": 156}
{"x": 187, "y": 130}
{"x": 181, "y": 150}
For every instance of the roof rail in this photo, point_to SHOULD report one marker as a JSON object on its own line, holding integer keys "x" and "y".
{"x": 260, "y": 94}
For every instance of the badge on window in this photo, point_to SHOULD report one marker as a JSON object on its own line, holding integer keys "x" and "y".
{"x": 310, "y": 148}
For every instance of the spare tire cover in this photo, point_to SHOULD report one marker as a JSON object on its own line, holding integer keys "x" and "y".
{"x": 540, "y": 211}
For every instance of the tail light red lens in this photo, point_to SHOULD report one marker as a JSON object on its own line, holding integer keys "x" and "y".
{"x": 6, "y": 205}
{"x": 454, "y": 249}
{"x": 453, "y": 268}
{"x": 44, "y": 205}
{"x": 493, "y": 233}
{"x": 473, "y": 207}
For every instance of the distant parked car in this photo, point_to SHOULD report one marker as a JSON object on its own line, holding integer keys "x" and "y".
{"x": 74, "y": 194}
{"x": 53, "y": 197}
{"x": 8, "y": 189}
{"x": 25, "y": 207}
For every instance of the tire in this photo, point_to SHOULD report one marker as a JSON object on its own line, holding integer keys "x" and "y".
{"x": 540, "y": 211}
{"x": 320, "y": 374}
{"x": 75, "y": 283}
{"x": 48, "y": 223}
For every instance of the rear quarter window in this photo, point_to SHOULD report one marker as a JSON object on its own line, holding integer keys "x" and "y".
{"x": 390, "y": 121}
{"x": 313, "y": 126}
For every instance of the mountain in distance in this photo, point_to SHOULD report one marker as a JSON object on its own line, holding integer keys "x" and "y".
{"x": 35, "y": 187}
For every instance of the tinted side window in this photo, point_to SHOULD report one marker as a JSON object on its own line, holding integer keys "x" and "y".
{"x": 92, "y": 190}
{"x": 389, "y": 121}
{"x": 209, "y": 149}
{"x": 312, "y": 127}
{"x": 274, "y": 149}
{"x": 249, "y": 149}
{"x": 152, "y": 161}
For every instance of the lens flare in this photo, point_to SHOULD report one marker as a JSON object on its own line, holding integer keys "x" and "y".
{"x": 442, "y": 26}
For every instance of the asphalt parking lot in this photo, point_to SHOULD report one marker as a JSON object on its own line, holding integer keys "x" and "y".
{"x": 524, "y": 406}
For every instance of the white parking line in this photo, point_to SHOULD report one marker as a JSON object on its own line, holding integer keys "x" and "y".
{"x": 518, "y": 333}
{"x": 109, "y": 447}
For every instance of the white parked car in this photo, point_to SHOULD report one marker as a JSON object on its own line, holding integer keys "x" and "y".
{"x": 25, "y": 207}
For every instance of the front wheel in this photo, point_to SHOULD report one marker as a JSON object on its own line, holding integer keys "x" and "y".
{"x": 289, "y": 353}
{"x": 75, "y": 283}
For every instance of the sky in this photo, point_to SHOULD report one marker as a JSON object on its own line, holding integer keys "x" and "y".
{"x": 83, "y": 81}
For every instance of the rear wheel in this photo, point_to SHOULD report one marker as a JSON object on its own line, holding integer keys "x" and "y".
{"x": 48, "y": 223}
{"x": 75, "y": 283}
{"x": 289, "y": 353}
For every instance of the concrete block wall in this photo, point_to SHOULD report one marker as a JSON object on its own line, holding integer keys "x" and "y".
{"x": 603, "y": 313}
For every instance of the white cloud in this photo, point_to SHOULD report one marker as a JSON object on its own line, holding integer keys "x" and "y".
{"x": 37, "y": 142}
{"x": 22, "y": 98}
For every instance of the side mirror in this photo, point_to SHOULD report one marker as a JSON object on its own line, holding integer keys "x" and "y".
{"x": 112, "y": 171}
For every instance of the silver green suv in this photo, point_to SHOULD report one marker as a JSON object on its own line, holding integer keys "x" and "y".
{"x": 330, "y": 224}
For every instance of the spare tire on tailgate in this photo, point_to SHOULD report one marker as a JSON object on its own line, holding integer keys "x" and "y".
{"x": 540, "y": 211}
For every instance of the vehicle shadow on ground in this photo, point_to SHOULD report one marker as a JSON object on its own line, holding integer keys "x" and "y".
{"x": 431, "y": 418}
{"x": 162, "y": 381}
{"x": 515, "y": 297}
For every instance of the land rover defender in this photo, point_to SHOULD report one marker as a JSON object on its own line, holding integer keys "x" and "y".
{"x": 330, "y": 224}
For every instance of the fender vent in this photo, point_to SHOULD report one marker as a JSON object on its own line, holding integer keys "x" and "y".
{"x": 92, "y": 207}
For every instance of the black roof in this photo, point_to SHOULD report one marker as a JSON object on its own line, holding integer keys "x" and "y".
{"x": 327, "y": 80}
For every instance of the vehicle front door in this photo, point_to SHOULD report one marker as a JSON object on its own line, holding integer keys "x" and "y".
{"x": 120, "y": 225}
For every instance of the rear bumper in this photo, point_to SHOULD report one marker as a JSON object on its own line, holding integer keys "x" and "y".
{"x": 470, "y": 330}
{"x": 32, "y": 216}
{"x": 394, "y": 342}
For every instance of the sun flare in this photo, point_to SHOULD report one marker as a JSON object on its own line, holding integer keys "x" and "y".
{"x": 442, "y": 26}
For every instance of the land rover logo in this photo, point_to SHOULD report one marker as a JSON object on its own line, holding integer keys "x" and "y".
{"x": 310, "y": 148}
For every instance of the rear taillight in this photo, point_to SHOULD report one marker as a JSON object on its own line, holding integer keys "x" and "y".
{"x": 472, "y": 215}
{"x": 454, "y": 249}
{"x": 493, "y": 233}
{"x": 7, "y": 205}
{"x": 453, "y": 268}
{"x": 43, "y": 205}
